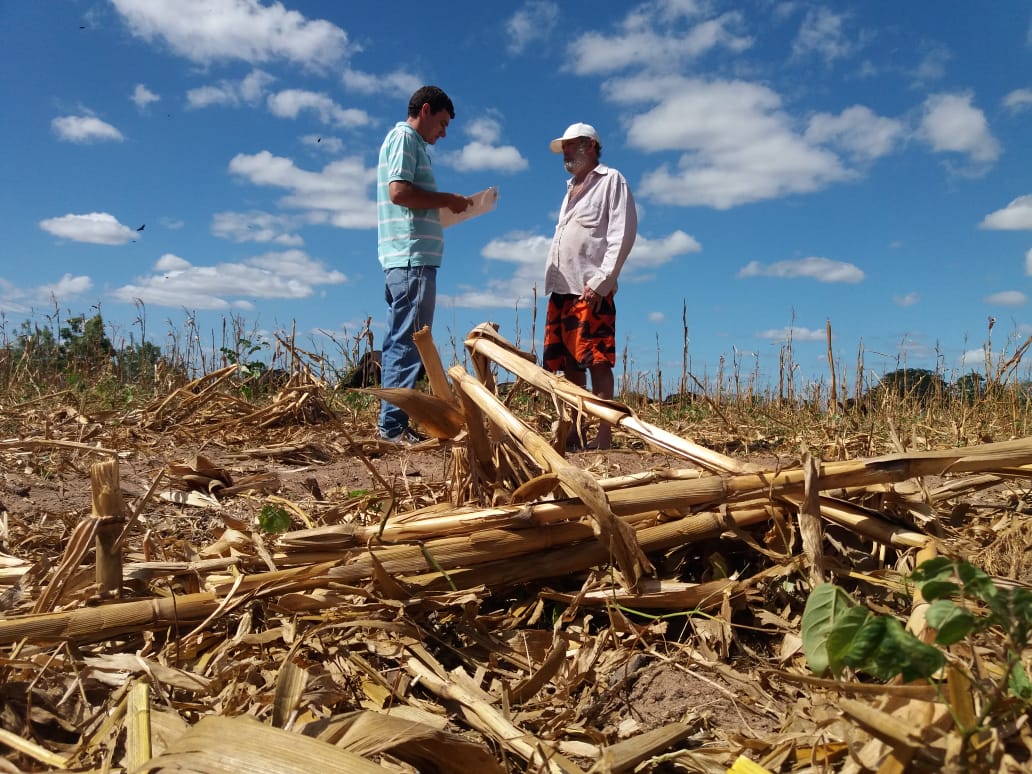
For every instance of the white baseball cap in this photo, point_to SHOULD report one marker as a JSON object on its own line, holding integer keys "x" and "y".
{"x": 573, "y": 131}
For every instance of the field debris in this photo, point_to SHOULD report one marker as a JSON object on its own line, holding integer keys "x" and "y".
{"x": 212, "y": 605}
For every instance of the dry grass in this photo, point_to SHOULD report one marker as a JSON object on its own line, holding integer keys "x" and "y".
{"x": 512, "y": 609}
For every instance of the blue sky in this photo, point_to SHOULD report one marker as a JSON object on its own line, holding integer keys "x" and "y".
{"x": 794, "y": 163}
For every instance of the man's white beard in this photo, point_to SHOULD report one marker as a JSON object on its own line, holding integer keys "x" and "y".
{"x": 576, "y": 162}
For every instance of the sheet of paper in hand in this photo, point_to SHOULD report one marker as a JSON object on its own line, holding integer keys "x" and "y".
{"x": 484, "y": 201}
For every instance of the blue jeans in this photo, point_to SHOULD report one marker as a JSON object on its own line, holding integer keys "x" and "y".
{"x": 411, "y": 295}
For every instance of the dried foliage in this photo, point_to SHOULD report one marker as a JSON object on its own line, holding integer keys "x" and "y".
{"x": 520, "y": 609}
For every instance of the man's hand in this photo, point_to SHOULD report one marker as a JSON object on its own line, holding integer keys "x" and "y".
{"x": 591, "y": 298}
{"x": 459, "y": 203}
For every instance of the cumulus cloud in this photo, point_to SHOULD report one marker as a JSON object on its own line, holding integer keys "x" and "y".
{"x": 1028, "y": 262}
{"x": 820, "y": 269}
{"x": 909, "y": 299}
{"x": 1007, "y": 298}
{"x": 658, "y": 37}
{"x": 291, "y": 102}
{"x": 206, "y": 31}
{"x": 23, "y": 300}
{"x": 399, "y": 82}
{"x": 98, "y": 228}
{"x": 738, "y": 144}
{"x": 142, "y": 96}
{"x": 656, "y": 317}
{"x": 793, "y": 333}
{"x": 331, "y": 145}
{"x": 527, "y": 254}
{"x": 256, "y": 226}
{"x": 84, "y": 129}
{"x": 858, "y": 131}
{"x": 178, "y": 283}
{"x": 231, "y": 93}
{"x": 1017, "y": 100}
{"x": 484, "y": 152}
{"x": 1016, "y": 216}
{"x": 338, "y": 195}
{"x": 952, "y": 124}
{"x": 823, "y": 35}
{"x": 534, "y": 21}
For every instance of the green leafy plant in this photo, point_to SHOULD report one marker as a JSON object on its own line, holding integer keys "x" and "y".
{"x": 273, "y": 519}
{"x": 965, "y": 606}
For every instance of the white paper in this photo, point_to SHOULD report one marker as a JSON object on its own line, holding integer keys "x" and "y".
{"x": 484, "y": 201}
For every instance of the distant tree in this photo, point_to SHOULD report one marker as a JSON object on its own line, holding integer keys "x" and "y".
{"x": 970, "y": 387}
{"x": 919, "y": 384}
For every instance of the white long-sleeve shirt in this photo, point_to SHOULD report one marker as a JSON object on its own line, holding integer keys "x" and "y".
{"x": 594, "y": 235}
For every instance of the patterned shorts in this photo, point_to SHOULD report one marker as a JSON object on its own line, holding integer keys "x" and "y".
{"x": 574, "y": 332}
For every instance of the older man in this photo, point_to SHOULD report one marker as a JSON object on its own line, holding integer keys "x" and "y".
{"x": 597, "y": 227}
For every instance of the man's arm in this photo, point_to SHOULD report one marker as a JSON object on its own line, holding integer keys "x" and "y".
{"x": 406, "y": 194}
{"x": 620, "y": 235}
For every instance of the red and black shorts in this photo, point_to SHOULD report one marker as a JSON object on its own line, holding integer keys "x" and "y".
{"x": 575, "y": 334}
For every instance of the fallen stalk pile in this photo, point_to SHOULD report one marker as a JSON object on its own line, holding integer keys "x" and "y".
{"x": 521, "y": 513}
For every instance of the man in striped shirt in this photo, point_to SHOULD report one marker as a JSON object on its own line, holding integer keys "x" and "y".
{"x": 411, "y": 242}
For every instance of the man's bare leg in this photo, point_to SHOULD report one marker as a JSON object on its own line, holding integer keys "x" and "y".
{"x": 602, "y": 385}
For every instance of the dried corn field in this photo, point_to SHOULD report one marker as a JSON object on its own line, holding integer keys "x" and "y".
{"x": 481, "y": 601}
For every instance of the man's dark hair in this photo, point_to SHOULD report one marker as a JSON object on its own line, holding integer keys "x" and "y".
{"x": 432, "y": 96}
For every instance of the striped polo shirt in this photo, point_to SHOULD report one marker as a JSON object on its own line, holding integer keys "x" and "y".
{"x": 407, "y": 237}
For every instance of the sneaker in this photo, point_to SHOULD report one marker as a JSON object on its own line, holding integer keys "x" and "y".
{"x": 407, "y": 437}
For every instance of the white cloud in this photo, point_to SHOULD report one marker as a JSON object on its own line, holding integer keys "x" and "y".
{"x": 651, "y": 253}
{"x": 21, "y": 301}
{"x": 528, "y": 252}
{"x": 67, "y": 287}
{"x": 290, "y": 103}
{"x": 796, "y": 334}
{"x": 952, "y": 124}
{"x": 535, "y": 21}
{"x": 1016, "y": 216}
{"x": 822, "y": 35}
{"x": 820, "y": 269}
{"x": 206, "y": 31}
{"x": 84, "y": 129}
{"x": 98, "y": 228}
{"x": 738, "y": 145}
{"x": 932, "y": 66}
{"x": 484, "y": 153}
{"x": 247, "y": 91}
{"x": 1007, "y": 298}
{"x": 331, "y": 145}
{"x": 142, "y": 96}
{"x": 476, "y": 157}
{"x": 856, "y": 130}
{"x": 256, "y": 226}
{"x": 1019, "y": 99}
{"x": 337, "y": 195}
{"x": 656, "y": 317}
{"x": 650, "y": 37}
{"x": 178, "y": 283}
{"x": 909, "y": 299}
{"x": 1028, "y": 263}
{"x": 399, "y": 82}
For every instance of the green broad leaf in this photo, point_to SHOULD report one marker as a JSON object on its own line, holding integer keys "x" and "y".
{"x": 1018, "y": 683}
{"x": 854, "y": 639}
{"x": 825, "y": 606}
{"x": 939, "y": 589}
{"x": 904, "y": 654}
{"x": 273, "y": 519}
{"x": 976, "y": 582}
{"x": 939, "y": 568}
{"x": 951, "y": 622}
